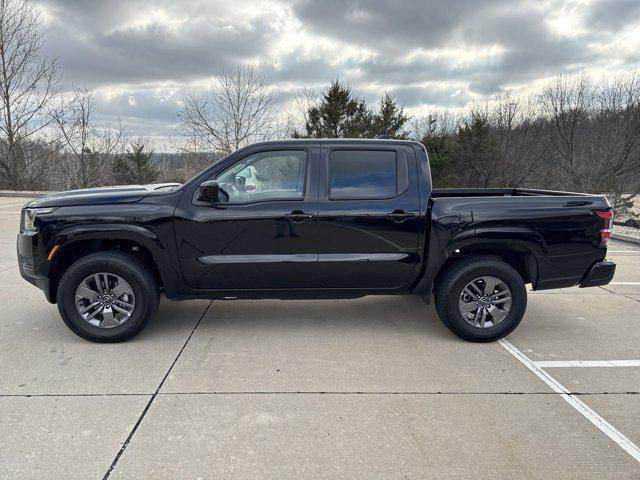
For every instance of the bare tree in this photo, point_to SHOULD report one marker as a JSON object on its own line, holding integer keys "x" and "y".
{"x": 28, "y": 82}
{"x": 297, "y": 114}
{"x": 567, "y": 103}
{"x": 517, "y": 135}
{"x": 89, "y": 149}
{"x": 439, "y": 123}
{"x": 615, "y": 134}
{"x": 238, "y": 110}
{"x": 594, "y": 134}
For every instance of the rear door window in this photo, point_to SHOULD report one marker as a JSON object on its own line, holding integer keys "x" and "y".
{"x": 363, "y": 174}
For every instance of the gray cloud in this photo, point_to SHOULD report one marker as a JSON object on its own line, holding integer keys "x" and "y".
{"x": 197, "y": 49}
{"x": 391, "y": 24}
{"x": 443, "y": 96}
{"x": 613, "y": 14}
{"x": 414, "y": 49}
{"x": 531, "y": 50}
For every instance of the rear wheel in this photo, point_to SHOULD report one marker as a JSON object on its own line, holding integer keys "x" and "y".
{"x": 107, "y": 296}
{"x": 481, "y": 299}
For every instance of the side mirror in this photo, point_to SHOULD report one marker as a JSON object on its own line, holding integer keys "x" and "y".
{"x": 210, "y": 191}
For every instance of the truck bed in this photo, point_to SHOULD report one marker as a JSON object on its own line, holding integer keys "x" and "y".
{"x": 502, "y": 192}
{"x": 558, "y": 232}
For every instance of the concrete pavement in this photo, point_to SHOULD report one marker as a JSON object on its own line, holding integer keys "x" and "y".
{"x": 368, "y": 388}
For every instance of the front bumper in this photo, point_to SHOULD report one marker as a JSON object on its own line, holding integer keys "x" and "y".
{"x": 600, "y": 273}
{"x": 29, "y": 262}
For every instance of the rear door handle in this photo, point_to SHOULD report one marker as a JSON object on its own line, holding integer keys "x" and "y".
{"x": 298, "y": 216}
{"x": 400, "y": 215}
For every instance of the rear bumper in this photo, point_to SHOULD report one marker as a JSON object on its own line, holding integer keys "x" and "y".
{"x": 28, "y": 262}
{"x": 600, "y": 273}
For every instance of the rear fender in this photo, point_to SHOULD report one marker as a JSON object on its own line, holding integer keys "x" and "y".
{"x": 502, "y": 241}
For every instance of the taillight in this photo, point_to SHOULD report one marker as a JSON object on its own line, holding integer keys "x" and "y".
{"x": 605, "y": 232}
{"x": 249, "y": 187}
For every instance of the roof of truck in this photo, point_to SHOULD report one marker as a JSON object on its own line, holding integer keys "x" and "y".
{"x": 360, "y": 141}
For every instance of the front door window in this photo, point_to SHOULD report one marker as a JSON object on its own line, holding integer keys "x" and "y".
{"x": 266, "y": 176}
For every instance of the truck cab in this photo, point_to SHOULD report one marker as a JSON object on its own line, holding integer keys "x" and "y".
{"x": 333, "y": 216}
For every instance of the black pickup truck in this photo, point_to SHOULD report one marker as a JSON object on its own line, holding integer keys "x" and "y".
{"x": 311, "y": 219}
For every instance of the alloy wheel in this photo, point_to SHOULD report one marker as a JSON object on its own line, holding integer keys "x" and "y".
{"x": 485, "y": 302}
{"x": 105, "y": 300}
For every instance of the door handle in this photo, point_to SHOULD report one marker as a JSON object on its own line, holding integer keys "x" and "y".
{"x": 298, "y": 216}
{"x": 400, "y": 216}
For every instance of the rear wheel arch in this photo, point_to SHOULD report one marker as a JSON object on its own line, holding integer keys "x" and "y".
{"x": 520, "y": 253}
{"x": 522, "y": 259}
{"x": 449, "y": 296}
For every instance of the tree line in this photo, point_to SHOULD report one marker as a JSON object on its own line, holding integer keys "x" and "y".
{"x": 51, "y": 141}
{"x": 573, "y": 134}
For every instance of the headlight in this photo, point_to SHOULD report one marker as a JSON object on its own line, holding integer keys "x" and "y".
{"x": 29, "y": 216}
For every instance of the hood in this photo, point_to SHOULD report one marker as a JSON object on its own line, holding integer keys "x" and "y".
{"x": 100, "y": 195}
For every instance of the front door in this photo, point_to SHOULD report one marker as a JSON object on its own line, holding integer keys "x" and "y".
{"x": 369, "y": 216}
{"x": 264, "y": 237}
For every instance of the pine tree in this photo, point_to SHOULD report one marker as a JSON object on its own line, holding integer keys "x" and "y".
{"x": 339, "y": 115}
{"x": 134, "y": 167}
{"x": 438, "y": 146}
{"x": 475, "y": 156}
{"x": 390, "y": 119}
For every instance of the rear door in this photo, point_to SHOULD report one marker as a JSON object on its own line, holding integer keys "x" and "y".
{"x": 369, "y": 216}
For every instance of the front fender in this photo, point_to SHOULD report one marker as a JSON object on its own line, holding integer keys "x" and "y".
{"x": 145, "y": 237}
{"x": 111, "y": 231}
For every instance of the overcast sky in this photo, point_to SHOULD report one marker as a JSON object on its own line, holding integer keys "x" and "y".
{"x": 141, "y": 56}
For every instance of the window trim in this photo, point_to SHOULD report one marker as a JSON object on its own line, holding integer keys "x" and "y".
{"x": 397, "y": 151}
{"x": 303, "y": 198}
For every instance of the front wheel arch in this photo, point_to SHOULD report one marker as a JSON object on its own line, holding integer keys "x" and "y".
{"x": 136, "y": 274}
{"x": 71, "y": 252}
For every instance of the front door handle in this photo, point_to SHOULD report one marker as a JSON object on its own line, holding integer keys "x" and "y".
{"x": 400, "y": 216}
{"x": 298, "y": 216}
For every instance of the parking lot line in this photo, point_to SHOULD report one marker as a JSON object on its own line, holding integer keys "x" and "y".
{"x": 604, "y": 426}
{"x": 623, "y": 283}
{"x": 12, "y": 205}
{"x": 586, "y": 363}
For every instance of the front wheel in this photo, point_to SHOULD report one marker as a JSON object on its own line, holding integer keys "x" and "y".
{"x": 107, "y": 296}
{"x": 481, "y": 299}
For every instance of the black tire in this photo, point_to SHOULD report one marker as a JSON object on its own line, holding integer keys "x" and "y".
{"x": 133, "y": 271}
{"x": 450, "y": 287}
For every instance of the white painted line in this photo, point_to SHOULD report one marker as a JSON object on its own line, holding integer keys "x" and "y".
{"x": 586, "y": 363}
{"x": 586, "y": 411}
{"x": 623, "y": 283}
{"x": 622, "y": 251}
{"x": 13, "y": 205}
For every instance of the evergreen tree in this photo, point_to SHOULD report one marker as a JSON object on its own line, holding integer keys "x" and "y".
{"x": 390, "y": 119}
{"x": 475, "y": 157}
{"x": 134, "y": 167}
{"x": 438, "y": 146}
{"x": 339, "y": 115}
